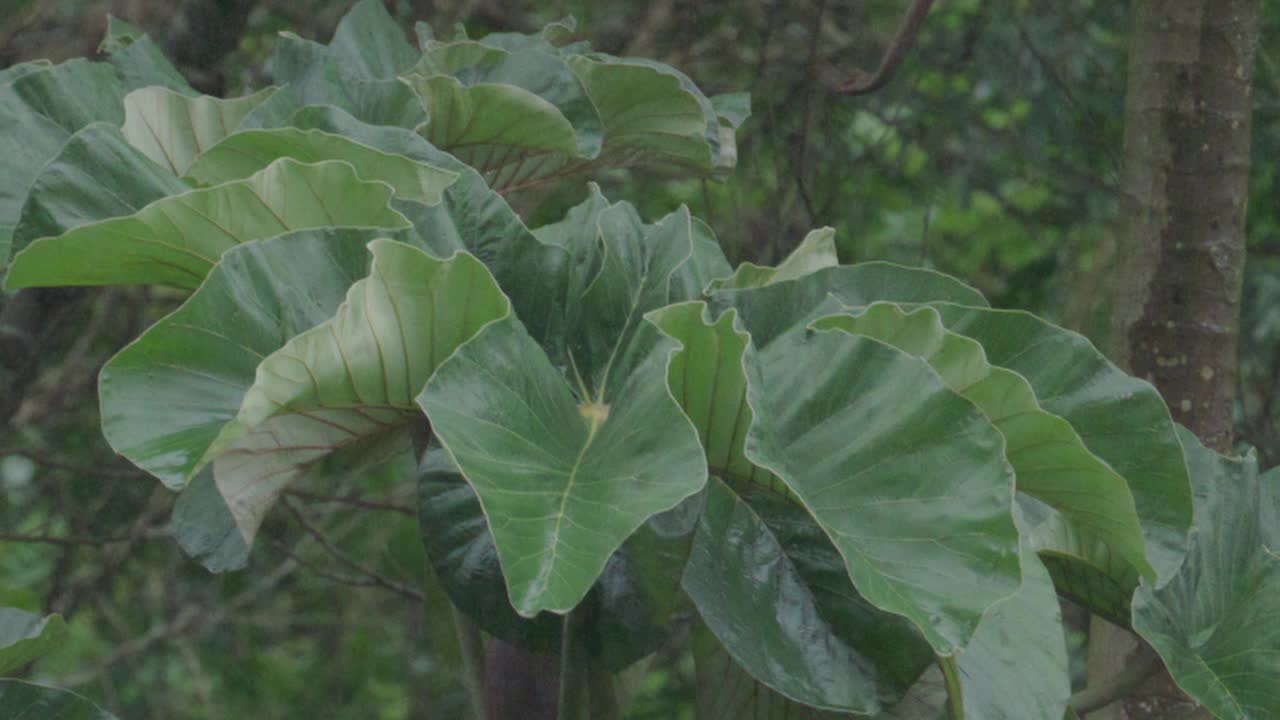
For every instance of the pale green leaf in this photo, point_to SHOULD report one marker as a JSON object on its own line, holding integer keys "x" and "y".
{"x": 174, "y": 129}
{"x": 247, "y": 152}
{"x": 352, "y": 380}
{"x": 176, "y": 240}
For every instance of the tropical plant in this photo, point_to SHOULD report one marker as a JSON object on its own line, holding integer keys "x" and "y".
{"x": 861, "y": 487}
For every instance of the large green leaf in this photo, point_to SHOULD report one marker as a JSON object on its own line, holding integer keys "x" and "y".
{"x": 174, "y": 129}
{"x": 1015, "y": 668}
{"x": 1049, "y": 459}
{"x": 631, "y": 603}
{"x": 352, "y": 380}
{"x": 356, "y": 72}
{"x": 176, "y": 240}
{"x": 564, "y": 480}
{"x": 1085, "y": 568}
{"x": 651, "y": 113}
{"x": 40, "y": 108}
{"x": 26, "y": 636}
{"x": 167, "y": 395}
{"x": 245, "y": 153}
{"x": 567, "y": 473}
{"x": 1214, "y": 623}
{"x": 28, "y": 701}
{"x": 727, "y": 692}
{"x": 506, "y": 132}
{"x": 774, "y": 590}
{"x": 1121, "y": 419}
{"x": 773, "y": 309}
{"x": 907, "y": 478}
{"x": 96, "y": 175}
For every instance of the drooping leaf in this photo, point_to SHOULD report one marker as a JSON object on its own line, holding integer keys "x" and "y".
{"x": 41, "y": 107}
{"x": 96, "y": 175}
{"x": 21, "y": 700}
{"x": 352, "y": 380}
{"x": 1049, "y": 459}
{"x": 1214, "y": 623}
{"x": 245, "y": 153}
{"x": 168, "y": 394}
{"x": 26, "y": 636}
{"x": 174, "y": 129}
{"x": 631, "y": 602}
{"x": 907, "y": 478}
{"x": 815, "y": 252}
{"x": 564, "y": 479}
{"x": 1085, "y": 568}
{"x": 650, "y": 112}
{"x": 204, "y": 527}
{"x": 507, "y": 133}
{"x": 566, "y": 476}
{"x": 774, "y": 591}
{"x": 1121, "y": 419}
{"x": 176, "y": 240}
{"x": 769, "y": 311}
{"x": 471, "y": 217}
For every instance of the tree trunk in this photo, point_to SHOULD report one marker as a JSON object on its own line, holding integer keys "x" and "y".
{"x": 1184, "y": 185}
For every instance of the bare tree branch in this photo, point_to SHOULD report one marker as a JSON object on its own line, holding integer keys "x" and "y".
{"x": 862, "y": 82}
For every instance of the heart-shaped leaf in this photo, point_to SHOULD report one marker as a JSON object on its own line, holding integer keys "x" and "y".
{"x": 565, "y": 477}
{"x": 632, "y": 602}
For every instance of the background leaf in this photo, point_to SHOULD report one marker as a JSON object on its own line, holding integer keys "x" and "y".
{"x": 1214, "y": 623}
{"x": 26, "y": 636}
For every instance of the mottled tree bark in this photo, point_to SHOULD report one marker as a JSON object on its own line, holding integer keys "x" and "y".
{"x": 1185, "y": 186}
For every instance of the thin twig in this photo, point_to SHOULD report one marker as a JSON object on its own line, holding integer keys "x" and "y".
{"x": 861, "y": 82}
{"x": 374, "y": 578}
